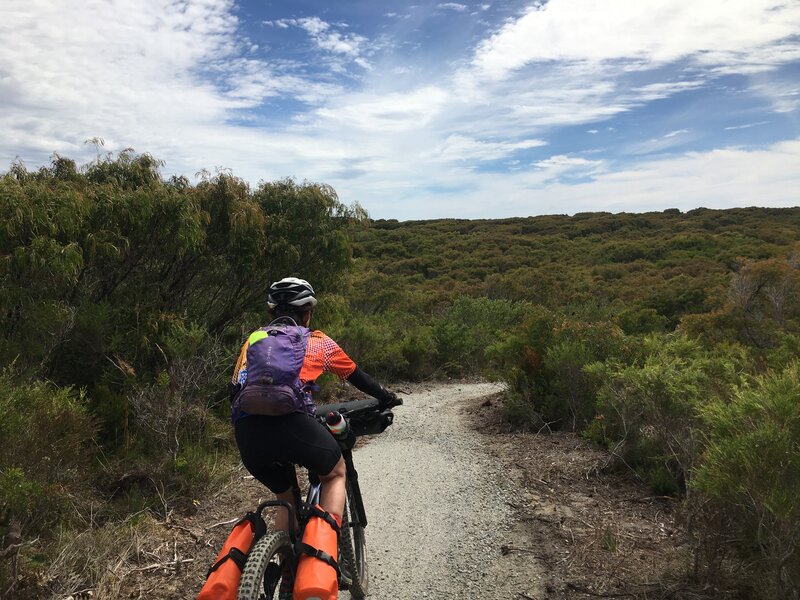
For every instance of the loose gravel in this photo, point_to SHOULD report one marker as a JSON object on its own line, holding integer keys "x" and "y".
{"x": 435, "y": 500}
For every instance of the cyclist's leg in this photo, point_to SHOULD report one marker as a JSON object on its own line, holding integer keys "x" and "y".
{"x": 268, "y": 444}
{"x": 333, "y": 490}
{"x": 315, "y": 448}
{"x": 282, "y": 515}
{"x": 264, "y": 454}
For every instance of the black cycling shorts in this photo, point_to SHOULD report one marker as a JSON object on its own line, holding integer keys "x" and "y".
{"x": 271, "y": 446}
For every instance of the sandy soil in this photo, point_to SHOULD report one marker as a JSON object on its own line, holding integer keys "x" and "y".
{"x": 580, "y": 529}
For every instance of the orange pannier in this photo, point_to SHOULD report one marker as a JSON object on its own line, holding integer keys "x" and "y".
{"x": 317, "y": 570}
{"x": 222, "y": 581}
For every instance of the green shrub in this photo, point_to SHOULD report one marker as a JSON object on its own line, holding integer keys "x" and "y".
{"x": 518, "y": 358}
{"x": 47, "y": 448}
{"x": 635, "y": 321}
{"x": 467, "y": 328}
{"x": 649, "y": 408}
{"x": 751, "y": 472}
{"x": 418, "y": 349}
{"x": 175, "y": 435}
{"x": 542, "y": 363}
{"x": 373, "y": 344}
{"x": 45, "y": 455}
{"x": 785, "y": 353}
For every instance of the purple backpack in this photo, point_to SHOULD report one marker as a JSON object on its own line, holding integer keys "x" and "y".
{"x": 271, "y": 382}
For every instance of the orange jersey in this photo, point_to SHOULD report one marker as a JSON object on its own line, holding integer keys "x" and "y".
{"x": 322, "y": 354}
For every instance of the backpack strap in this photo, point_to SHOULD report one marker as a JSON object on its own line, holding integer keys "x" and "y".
{"x": 282, "y": 321}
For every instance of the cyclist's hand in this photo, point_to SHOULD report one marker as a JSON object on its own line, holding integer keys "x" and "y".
{"x": 389, "y": 400}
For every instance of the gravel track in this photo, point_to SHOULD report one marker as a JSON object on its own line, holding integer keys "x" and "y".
{"x": 436, "y": 502}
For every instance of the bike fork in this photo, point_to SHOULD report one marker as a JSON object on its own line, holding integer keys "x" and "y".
{"x": 352, "y": 477}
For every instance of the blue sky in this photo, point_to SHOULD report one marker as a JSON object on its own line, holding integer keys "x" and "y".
{"x": 427, "y": 109}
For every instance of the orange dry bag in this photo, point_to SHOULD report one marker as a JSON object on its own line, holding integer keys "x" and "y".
{"x": 222, "y": 581}
{"x": 317, "y": 570}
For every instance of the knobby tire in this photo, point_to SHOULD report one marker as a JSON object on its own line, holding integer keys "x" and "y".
{"x": 262, "y": 573}
{"x": 352, "y": 546}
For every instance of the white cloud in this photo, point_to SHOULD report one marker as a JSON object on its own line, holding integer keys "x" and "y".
{"x": 464, "y": 148}
{"x": 657, "y": 91}
{"x": 252, "y": 81}
{"x": 712, "y": 32}
{"x": 752, "y": 60}
{"x": 746, "y": 126}
{"x": 178, "y": 81}
{"x": 86, "y": 71}
{"x": 784, "y": 96}
{"x": 379, "y": 114}
{"x": 313, "y": 25}
{"x": 563, "y": 102}
{"x": 562, "y": 160}
{"x": 555, "y": 95}
{"x": 569, "y": 62}
{"x": 678, "y": 137}
{"x": 723, "y": 178}
{"x": 559, "y": 165}
{"x": 455, "y": 6}
{"x": 327, "y": 38}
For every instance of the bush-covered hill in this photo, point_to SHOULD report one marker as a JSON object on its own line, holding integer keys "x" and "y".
{"x": 722, "y": 274}
{"x": 670, "y": 262}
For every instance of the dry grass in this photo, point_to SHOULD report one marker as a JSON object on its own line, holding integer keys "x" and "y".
{"x": 96, "y": 561}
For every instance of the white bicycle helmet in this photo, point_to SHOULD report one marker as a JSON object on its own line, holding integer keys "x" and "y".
{"x": 291, "y": 291}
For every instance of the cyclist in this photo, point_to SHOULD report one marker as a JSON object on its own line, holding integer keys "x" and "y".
{"x": 270, "y": 446}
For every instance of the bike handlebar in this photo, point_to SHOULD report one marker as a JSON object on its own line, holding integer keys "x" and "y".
{"x": 366, "y": 417}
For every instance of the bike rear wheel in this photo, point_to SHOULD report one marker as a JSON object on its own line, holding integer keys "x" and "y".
{"x": 353, "y": 550}
{"x": 270, "y": 566}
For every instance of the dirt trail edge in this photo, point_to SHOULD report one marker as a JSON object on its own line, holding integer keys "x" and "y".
{"x": 436, "y": 502}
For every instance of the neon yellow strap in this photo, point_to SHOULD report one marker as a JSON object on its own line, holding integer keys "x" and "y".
{"x": 257, "y": 336}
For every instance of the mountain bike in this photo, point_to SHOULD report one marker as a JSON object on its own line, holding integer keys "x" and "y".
{"x": 272, "y": 562}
